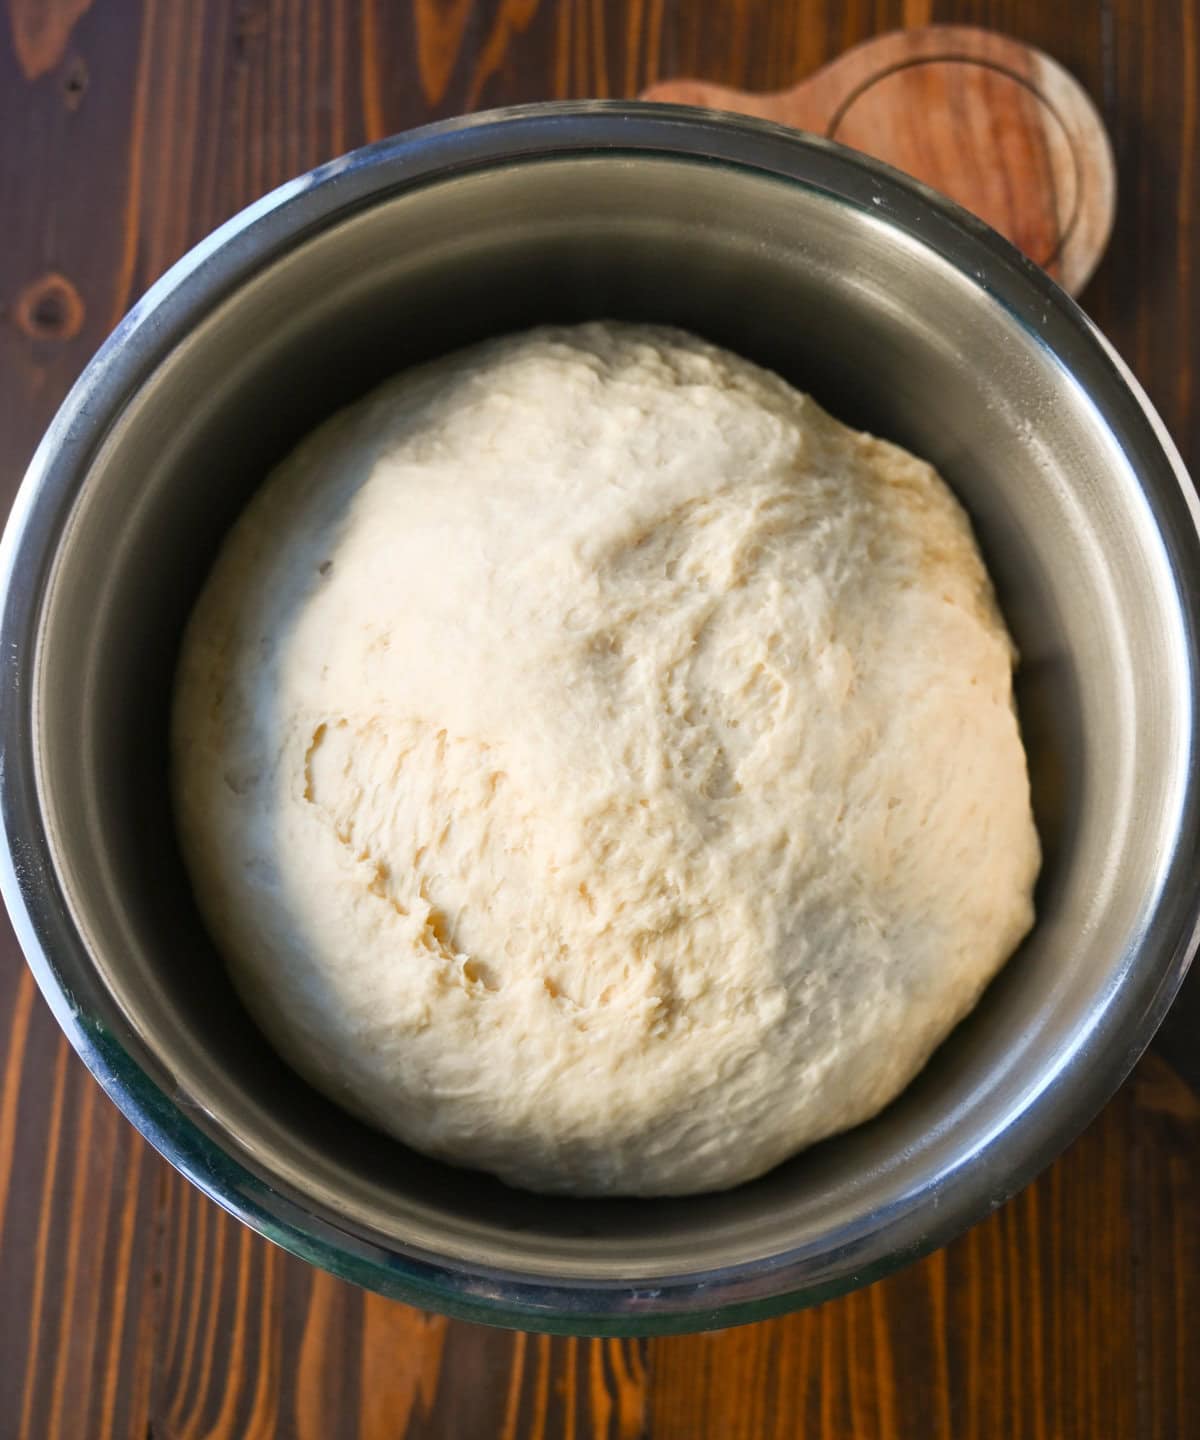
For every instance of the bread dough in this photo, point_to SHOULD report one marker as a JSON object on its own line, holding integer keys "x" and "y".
{"x": 599, "y": 766}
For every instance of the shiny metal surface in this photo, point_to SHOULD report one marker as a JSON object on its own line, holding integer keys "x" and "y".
{"x": 900, "y": 314}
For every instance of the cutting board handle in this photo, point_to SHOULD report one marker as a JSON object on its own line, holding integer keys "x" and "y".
{"x": 996, "y": 125}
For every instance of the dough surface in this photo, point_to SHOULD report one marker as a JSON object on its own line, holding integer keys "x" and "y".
{"x": 598, "y": 766}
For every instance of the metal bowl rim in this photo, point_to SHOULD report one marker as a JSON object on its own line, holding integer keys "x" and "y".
{"x": 214, "y": 1159}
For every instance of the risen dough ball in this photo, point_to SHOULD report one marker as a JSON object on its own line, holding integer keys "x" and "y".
{"x": 599, "y": 766}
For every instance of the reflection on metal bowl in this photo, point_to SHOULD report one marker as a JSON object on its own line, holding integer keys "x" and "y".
{"x": 902, "y": 315}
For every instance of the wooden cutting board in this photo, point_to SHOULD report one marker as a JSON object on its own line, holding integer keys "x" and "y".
{"x": 996, "y": 125}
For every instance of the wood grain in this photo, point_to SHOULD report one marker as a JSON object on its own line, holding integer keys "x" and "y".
{"x": 991, "y": 122}
{"x": 130, "y": 1306}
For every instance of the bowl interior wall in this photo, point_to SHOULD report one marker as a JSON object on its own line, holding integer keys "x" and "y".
{"x": 887, "y": 336}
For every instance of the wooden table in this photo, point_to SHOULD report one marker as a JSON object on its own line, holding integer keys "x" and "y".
{"x": 132, "y": 1307}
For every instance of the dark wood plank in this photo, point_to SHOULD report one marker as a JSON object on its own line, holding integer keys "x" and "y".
{"x": 132, "y": 1306}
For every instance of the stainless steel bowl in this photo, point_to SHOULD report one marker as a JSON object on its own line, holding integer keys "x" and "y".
{"x": 901, "y": 314}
